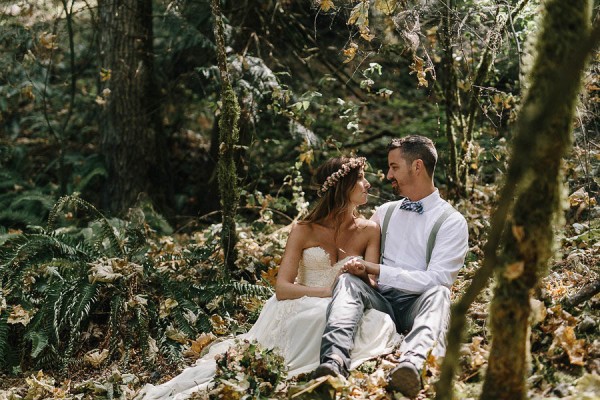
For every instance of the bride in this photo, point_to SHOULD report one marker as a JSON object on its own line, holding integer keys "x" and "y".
{"x": 293, "y": 320}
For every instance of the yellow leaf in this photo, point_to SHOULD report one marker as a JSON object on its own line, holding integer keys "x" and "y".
{"x": 564, "y": 336}
{"x": 579, "y": 197}
{"x": 518, "y": 232}
{"x": 27, "y": 91}
{"x": 326, "y": 5}
{"x": 195, "y": 350}
{"x": 105, "y": 74}
{"x": 176, "y": 335}
{"x": 359, "y": 15}
{"x": 96, "y": 357}
{"x": 514, "y": 270}
{"x": 19, "y": 315}
{"x": 365, "y": 33}
{"x": 218, "y": 324}
{"x": 270, "y": 275}
{"x": 48, "y": 40}
{"x": 418, "y": 67}
{"x": 386, "y": 7}
{"x": 478, "y": 353}
{"x": 166, "y": 307}
{"x": 350, "y": 52}
{"x": 306, "y": 157}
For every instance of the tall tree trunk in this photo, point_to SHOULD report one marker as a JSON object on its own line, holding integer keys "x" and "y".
{"x": 450, "y": 97}
{"x": 228, "y": 137}
{"x": 129, "y": 131}
{"x": 529, "y": 241}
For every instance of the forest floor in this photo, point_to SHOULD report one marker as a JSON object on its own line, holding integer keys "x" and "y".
{"x": 565, "y": 337}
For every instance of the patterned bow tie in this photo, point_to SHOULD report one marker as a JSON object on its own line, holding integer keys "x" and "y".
{"x": 415, "y": 206}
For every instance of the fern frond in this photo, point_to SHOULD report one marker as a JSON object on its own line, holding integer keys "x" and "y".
{"x": 143, "y": 330}
{"x": 86, "y": 297}
{"x": 116, "y": 306}
{"x": 78, "y": 203}
{"x": 11, "y": 217}
{"x": 170, "y": 349}
{"x": 30, "y": 251}
{"x": 3, "y": 339}
{"x": 208, "y": 292}
{"x": 46, "y": 201}
{"x": 249, "y": 289}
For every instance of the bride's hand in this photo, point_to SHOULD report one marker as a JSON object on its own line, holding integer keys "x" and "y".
{"x": 356, "y": 267}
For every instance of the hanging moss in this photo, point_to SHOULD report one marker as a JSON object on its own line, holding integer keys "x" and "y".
{"x": 228, "y": 137}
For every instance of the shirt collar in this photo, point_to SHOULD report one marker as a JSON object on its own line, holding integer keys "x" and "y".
{"x": 430, "y": 201}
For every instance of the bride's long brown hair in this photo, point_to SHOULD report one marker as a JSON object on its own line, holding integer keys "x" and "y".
{"x": 335, "y": 201}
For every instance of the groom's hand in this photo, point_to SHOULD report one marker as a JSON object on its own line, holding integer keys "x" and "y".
{"x": 356, "y": 267}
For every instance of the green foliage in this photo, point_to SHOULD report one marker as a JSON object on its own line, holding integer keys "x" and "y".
{"x": 78, "y": 287}
{"x": 248, "y": 371}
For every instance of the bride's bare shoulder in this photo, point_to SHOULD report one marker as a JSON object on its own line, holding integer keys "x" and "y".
{"x": 367, "y": 224}
{"x": 301, "y": 228}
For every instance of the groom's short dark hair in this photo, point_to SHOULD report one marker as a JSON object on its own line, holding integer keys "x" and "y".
{"x": 415, "y": 147}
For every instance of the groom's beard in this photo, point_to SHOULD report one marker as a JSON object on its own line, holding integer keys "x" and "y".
{"x": 395, "y": 187}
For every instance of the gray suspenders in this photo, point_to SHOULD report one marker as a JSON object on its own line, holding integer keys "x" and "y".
{"x": 432, "y": 236}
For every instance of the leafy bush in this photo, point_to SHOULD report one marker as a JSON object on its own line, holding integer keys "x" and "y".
{"x": 107, "y": 287}
{"x": 248, "y": 371}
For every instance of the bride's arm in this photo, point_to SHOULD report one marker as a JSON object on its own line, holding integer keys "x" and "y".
{"x": 358, "y": 266}
{"x": 285, "y": 289}
{"x": 373, "y": 248}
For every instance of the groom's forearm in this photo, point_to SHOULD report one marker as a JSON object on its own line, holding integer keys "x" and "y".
{"x": 371, "y": 268}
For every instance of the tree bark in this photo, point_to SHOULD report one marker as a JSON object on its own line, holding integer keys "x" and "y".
{"x": 129, "y": 124}
{"x": 450, "y": 98}
{"x": 528, "y": 243}
{"x": 228, "y": 137}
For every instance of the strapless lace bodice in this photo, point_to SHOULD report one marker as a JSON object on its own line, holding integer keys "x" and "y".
{"x": 315, "y": 268}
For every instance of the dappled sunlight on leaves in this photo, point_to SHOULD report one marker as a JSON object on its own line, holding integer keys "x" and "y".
{"x": 564, "y": 336}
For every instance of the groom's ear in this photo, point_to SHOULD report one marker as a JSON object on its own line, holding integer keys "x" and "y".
{"x": 418, "y": 166}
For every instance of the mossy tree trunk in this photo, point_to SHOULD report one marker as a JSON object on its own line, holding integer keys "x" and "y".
{"x": 228, "y": 137}
{"x": 528, "y": 242}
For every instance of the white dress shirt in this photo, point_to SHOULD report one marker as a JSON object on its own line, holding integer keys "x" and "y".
{"x": 404, "y": 260}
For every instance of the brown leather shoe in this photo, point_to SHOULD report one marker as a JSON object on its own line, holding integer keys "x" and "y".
{"x": 405, "y": 378}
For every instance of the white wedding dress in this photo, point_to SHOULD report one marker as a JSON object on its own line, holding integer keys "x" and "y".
{"x": 294, "y": 327}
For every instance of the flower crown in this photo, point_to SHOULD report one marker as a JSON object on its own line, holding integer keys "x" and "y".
{"x": 334, "y": 178}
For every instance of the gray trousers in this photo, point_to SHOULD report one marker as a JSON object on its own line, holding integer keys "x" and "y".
{"x": 423, "y": 318}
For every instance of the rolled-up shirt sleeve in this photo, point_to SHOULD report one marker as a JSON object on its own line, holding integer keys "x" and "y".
{"x": 447, "y": 258}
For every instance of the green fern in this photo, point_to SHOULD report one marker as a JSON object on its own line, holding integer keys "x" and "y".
{"x": 77, "y": 203}
{"x": 3, "y": 337}
{"x": 143, "y": 330}
{"x": 116, "y": 307}
{"x": 28, "y": 252}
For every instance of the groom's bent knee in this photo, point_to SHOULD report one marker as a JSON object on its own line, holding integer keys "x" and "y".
{"x": 352, "y": 283}
{"x": 437, "y": 296}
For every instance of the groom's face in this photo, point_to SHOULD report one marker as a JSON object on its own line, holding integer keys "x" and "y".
{"x": 400, "y": 172}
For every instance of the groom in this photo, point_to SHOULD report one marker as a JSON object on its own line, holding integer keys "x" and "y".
{"x": 423, "y": 246}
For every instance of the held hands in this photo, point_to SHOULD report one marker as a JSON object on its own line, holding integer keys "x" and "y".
{"x": 356, "y": 267}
